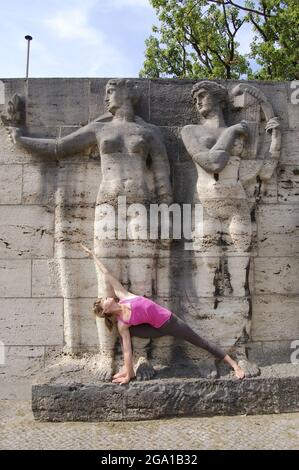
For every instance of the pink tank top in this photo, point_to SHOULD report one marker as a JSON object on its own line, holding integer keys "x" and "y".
{"x": 146, "y": 311}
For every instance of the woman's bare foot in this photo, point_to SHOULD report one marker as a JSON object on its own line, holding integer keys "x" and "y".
{"x": 121, "y": 373}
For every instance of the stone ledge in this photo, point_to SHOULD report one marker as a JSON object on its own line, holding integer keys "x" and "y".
{"x": 165, "y": 398}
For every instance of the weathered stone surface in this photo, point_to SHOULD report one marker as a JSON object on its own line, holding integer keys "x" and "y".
{"x": 171, "y": 139}
{"x": 268, "y": 191}
{"x": 66, "y": 401}
{"x": 67, "y": 184}
{"x": 171, "y": 103}
{"x": 9, "y": 154}
{"x": 276, "y": 275}
{"x": 10, "y": 184}
{"x": 278, "y": 230}
{"x": 65, "y": 277}
{"x": 26, "y": 232}
{"x": 288, "y": 183}
{"x": 86, "y": 322}
{"x": 15, "y": 278}
{"x": 74, "y": 225}
{"x": 276, "y": 317}
{"x": 96, "y": 101}
{"x": 199, "y": 275}
{"x": 289, "y": 150}
{"x": 57, "y": 101}
{"x": 223, "y": 322}
{"x": 269, "y": 353}
{"x": 185, "y": 171}
{"x": 277, "y": 96}
{"x": 31, "y": 321}
{"x": 22, "y": 365}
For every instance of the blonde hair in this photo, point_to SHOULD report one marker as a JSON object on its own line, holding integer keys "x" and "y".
{"x": 99, "y": 312}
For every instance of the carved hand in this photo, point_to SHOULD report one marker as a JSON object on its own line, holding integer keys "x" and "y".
{"x": 240, "y": 129}
{"x": 15, "y": 133}
{"x": 273, "y": 123}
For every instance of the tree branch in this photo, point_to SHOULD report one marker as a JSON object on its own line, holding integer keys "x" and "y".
{"x": 258, "y": 28}
{"x": 241, "y": 7}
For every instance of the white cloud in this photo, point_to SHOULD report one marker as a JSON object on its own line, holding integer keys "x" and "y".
{"x": 73, "y": 24}
{"x": 97, "y": 55}
{"x": 129, "y": 3}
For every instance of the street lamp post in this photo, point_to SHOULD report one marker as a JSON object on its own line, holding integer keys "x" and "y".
{"x": 28, "y": 39}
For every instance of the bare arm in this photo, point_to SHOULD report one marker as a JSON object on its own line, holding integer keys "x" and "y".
{"x": 270, "y": 163}
{"x": 71, "y": 144}
{"x": 120, "y": 291}
{"x": 214, "y": 159}
{"x": 219, "y": 154}
{"x": 124, "y": 331}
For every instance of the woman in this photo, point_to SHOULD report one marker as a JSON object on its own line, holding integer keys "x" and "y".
{"x": 137, "y": 316}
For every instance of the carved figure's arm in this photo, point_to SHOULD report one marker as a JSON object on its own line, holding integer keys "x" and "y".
{"x": 219, "y": 154}
{"x": 71, "y": 144}
{"x": 270, "y": 163}
{"x": 211, "y": 160}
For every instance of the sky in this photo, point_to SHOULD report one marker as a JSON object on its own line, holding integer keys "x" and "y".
{"x": 77, "y": 38}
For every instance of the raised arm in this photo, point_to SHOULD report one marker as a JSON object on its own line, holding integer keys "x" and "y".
{"x": 118, "y": 288}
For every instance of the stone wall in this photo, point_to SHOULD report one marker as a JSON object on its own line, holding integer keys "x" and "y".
{"x": 35, "y": 228}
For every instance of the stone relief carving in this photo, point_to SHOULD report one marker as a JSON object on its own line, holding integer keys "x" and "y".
{"x": 15, "y": 112}
{"x": 134, "y": 164}
{"x": 232, "y": 161}
{"x": 235, "y": 158}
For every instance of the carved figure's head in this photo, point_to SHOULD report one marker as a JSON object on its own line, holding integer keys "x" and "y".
{"x": 120, "y": 91}
{"x": 104, "y": 307}
{"x": 207, "y": 96}
{"x": 238, "y": 145}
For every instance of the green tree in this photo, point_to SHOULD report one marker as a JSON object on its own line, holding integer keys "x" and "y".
{"x": 275, "y": 44}
{"x": 197, "y": 38}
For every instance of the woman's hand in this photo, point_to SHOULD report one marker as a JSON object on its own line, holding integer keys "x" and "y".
{"x": 89, "y": 252}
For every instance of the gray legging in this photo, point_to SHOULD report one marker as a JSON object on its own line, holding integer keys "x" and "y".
{"x": 179, "y": 329}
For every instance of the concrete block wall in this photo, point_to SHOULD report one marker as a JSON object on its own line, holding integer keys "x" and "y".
{"x": 39, "y": 236}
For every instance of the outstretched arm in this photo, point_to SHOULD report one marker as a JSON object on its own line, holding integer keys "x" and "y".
{"x": 128, "y": 374}
{"x": 118, "y": 288}
{"x": 71, "y": 144}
